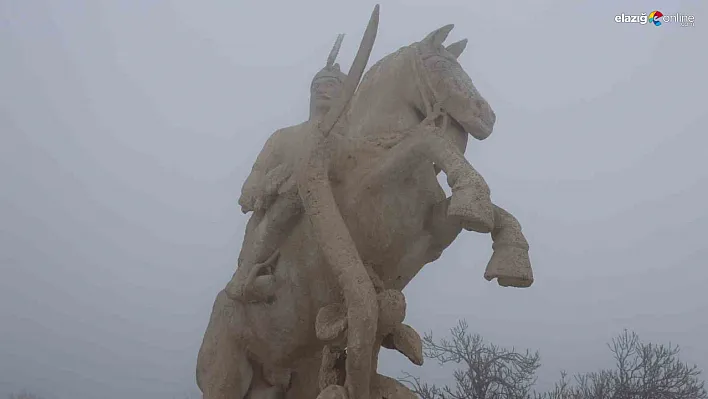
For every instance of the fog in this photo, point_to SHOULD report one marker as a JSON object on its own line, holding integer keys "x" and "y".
{"x": 128, "y": 127}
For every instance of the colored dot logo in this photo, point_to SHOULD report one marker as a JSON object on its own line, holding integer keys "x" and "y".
{"x": 655, "y": 17}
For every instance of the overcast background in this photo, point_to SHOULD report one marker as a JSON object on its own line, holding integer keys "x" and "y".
{"x": 129, "y": 126}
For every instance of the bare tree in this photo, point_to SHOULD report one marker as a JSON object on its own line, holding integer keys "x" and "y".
{"x": 642, "y": 371}
{"x": 653, "y": 371}
{"x": 586, "y": 386}
{"x": 488, "y": 371}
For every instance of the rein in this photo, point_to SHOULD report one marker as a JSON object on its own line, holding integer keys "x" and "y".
{"x": 433, "y": 110}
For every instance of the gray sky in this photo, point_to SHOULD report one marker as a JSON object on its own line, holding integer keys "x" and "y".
{"x": 129, "y": 126}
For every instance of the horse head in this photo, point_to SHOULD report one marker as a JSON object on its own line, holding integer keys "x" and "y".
{"x": 443, "y": 81}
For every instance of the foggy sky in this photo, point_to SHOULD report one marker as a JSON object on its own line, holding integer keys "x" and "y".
{"x": 128, "y": 127}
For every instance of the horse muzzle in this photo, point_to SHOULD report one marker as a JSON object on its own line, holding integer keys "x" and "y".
{"x": 479, "y": 128}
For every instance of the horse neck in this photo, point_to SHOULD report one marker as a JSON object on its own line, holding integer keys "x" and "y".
{"x": 386, "y": 100}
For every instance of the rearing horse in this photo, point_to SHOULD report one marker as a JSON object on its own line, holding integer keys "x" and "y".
{"x": 382, "y": 160}
{"x": 420, "y": 83}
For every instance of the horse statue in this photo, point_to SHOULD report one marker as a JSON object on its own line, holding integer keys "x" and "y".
{"x": 375, "y": 214}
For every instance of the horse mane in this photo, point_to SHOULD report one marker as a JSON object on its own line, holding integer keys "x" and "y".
{"x": 380, "y": 68}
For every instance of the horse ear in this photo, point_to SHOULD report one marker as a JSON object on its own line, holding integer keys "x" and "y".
{"x": 437, "y": 37}
{"x": 457, "y": 48}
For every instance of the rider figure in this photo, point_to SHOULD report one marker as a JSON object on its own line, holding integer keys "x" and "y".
{"x": 271, "y": 194}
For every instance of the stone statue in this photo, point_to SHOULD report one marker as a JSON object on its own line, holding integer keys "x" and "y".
{"x": 347, "y": 210}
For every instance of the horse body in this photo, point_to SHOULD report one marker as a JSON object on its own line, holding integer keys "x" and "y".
{"x": 387, "y": 219}
{"x": 384, "y": 182}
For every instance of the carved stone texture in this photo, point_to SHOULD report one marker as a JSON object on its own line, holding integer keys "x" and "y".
{"x": 346, "y": 210}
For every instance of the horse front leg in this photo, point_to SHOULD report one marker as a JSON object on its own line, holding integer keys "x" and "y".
{"x": 470, "y": 204}
{"x": 510, "y": 263}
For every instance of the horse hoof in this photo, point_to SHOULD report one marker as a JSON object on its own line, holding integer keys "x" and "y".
{"x": 407, "y": 341}
{"x": 475, "y": 213}
{"x": 333, "y": 392}
{"x": 511, "y": 267}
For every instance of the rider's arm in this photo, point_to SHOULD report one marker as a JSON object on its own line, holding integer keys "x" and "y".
{"x": 253, "y": 191}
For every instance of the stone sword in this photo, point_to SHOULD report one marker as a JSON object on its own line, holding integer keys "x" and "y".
{"x": 354, "y": 76}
